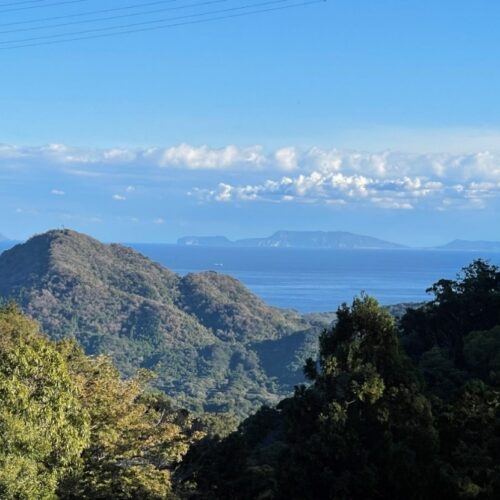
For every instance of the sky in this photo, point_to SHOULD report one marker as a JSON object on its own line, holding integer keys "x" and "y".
{"x": 376, "y": 117}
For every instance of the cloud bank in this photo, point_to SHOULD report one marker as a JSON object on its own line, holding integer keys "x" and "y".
{"x": 388, "y": 180}
{"x": 336, "y": 188}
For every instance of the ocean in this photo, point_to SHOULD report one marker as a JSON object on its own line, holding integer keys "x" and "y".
{"x": 310, "y": 280}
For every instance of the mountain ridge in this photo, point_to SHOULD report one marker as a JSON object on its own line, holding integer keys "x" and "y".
{"x": 297, "y": 239}
{"x": 201, "y": 333}
{"x": 336, "y": 240}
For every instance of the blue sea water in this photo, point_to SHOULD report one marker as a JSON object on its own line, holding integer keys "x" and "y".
{"x": 310, "y": 280}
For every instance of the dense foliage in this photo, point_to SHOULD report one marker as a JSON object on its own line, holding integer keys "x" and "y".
{"x": 392, "y": 412}
{"x": 136, "y": 438}
{"x": 71, "y": 428}
{"x": 43, "y": 428}
{"x": 205, "y": 335}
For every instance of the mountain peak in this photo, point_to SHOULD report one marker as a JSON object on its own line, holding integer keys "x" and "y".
{"x": 66, "y": 256}
{"x": 58, "y": 233}
{"x": 65, "y": 237}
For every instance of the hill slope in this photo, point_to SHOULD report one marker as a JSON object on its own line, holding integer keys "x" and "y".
{"x": 205, "y": 335}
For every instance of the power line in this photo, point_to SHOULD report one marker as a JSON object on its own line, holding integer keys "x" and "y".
{"x": 166, "y": 26}
{"x": 21, "y": 3}
{"x": 142, "y": 23}
{"x": 88, "y": 13}
{"x": 53, "y": 4}
{"x": 110, "y": 18}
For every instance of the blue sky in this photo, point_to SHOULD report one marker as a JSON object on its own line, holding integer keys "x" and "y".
{"x": 375, "y": 117}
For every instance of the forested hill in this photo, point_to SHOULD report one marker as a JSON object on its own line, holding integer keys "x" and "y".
{"x": 206, "y": 336}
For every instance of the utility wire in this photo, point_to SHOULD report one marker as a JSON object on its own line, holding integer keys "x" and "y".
{"x": 166, "y": 26}
{"x": 88, "y": 13}
{"x": 110, "y": 18}
{"x": 53, "y": 4}
{"x": 142, "y": 23}
{"x": 20, "y": 3}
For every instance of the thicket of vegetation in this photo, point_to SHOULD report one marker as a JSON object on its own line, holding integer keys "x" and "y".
{"x": 72, "y": 428}
{"x": 393, "y": 411}
{"x": 405, "y": 408}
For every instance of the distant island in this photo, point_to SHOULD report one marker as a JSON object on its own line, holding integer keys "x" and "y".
{"x": 206, "y": 241}
{"x": 338, "y": 240}
{"x": 473, "y": 246}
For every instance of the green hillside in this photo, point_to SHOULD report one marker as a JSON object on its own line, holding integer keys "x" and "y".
{"x": 205, "y": 335}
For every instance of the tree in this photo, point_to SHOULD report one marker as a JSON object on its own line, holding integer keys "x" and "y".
{"x": 482, "y": 355}
{"x": 137, "y": 438}
{"x": 242, "y": 465}
{"x": 469, "y": 303}
{"x": 364, "y": 419}
{"x": 469, "y": 429}
{"x": 362, "y": 429}
{"x": 43, "y": 426}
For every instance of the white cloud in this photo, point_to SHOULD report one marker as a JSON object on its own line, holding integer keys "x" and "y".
{"x": 386, "y": 179}
{"x": 57, "y": 192}
{"x": 390, "y": 180}
{"x": 287, "y": 158}
{"x": 483, "y": 165}
{"x": 159, "y": 221}
{"x": 206, "y": 158}
{"x": 224, "y": 193}
{"x": 336, "y": 188}
{"x": 26, "y": 211}
{"x": 119, "y": 155}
